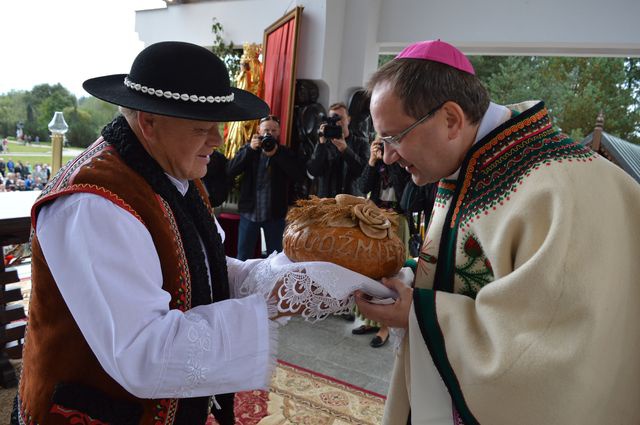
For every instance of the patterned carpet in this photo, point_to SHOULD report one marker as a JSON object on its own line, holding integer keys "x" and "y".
{"x": 300, "y": 396}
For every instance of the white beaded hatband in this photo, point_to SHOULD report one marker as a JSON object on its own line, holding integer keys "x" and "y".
{"x": 177, "y": 96}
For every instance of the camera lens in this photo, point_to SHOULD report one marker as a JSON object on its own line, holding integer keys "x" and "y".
{"x": 268, "y": 143}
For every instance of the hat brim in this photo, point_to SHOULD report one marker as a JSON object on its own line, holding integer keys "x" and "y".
{"x": 111, "y": 88}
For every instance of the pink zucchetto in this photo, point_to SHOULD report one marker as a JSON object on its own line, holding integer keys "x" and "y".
{"x": 437, "y": 51}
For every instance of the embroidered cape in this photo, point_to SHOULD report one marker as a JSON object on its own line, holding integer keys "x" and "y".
{"x": 527, "y": 301}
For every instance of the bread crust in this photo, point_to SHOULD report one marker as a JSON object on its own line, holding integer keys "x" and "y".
{"x": 327, "y": 229}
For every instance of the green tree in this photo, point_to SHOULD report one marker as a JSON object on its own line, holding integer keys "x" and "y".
{"x": 12, "y": 110}
{"x": 87, "y": 120}
{"x": 229, "y": 53}
{"x": 632, "y": 72}
{"x": 45, "y": 99}
{"x": 382, "y": 59}
{"x": 30, "y": 125}
{"x": 574, "y": 89}
{"x": 82, "y": 130}
{"x": 101, "y": 112}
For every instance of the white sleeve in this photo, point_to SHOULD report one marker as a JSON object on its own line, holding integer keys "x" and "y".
{"x": 238, "y": 271}
{"x": 108, "y": 272}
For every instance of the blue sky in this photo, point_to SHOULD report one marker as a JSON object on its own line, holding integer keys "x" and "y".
{"x": 66, "y": 41}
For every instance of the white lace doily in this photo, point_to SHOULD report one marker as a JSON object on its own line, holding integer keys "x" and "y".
{"x": 314, "y": 289}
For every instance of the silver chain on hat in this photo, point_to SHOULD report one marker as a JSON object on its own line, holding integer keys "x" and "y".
{"x": 177, "y": 96}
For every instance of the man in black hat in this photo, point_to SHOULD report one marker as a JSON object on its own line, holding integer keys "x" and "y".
{"x": 130, "y": 320}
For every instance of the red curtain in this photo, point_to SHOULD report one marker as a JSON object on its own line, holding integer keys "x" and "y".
{"x": 278, "y": 61}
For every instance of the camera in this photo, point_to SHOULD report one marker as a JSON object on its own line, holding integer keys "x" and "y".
{"x": 268, "y": 142}
{"x": 331, "y": 130}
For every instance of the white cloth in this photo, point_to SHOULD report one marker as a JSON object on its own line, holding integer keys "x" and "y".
{"x": 321, "y": 288}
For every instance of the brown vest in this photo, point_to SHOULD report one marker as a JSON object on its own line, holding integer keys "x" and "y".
{"x": 55, "y": 351}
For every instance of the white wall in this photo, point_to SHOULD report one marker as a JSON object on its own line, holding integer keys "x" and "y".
{"x": 549, "y": 27}
{"x": 245, "y": 21}
{"x": 359, "y": 56}
{"x": 340, "y": 39}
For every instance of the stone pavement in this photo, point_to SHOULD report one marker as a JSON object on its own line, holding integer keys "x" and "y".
{"x": 329, "y": 348}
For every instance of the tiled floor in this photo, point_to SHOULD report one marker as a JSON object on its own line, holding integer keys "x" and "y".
{"x": 328, "y": 347}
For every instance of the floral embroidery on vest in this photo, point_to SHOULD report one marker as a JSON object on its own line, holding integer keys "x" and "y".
{"x": 476, "y": 272}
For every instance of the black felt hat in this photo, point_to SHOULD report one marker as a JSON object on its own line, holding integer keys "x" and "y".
{"x": 180, "y": 80}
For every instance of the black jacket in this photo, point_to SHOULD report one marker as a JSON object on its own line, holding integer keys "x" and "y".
{"x": 419, "y": 198}
{"x": 370, "y": 180}
{"x": 337, "y": 172}
{"x": 216, "y": 180}
{"x": 284, "y": 168}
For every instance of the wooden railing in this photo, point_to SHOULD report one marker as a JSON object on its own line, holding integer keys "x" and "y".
{"x": 14, "y": 229}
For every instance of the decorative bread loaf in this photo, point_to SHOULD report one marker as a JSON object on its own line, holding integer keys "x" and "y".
{"x": 349, "y": 231}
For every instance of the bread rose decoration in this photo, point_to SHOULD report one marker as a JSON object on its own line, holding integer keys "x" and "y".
{"x": 372, "y": 220}
{"x": 344, "y": 211}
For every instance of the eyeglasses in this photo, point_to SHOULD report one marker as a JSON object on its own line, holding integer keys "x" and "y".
{"x": 270, "y": 118}
{"x": 395, "y": 140}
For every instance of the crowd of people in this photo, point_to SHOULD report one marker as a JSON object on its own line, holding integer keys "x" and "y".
{"x": 16, "y": 176}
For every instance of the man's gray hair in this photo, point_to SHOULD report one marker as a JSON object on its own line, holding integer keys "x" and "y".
{"x": 127, "y": 112}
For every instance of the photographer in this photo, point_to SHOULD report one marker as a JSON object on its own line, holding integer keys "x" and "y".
{"x": 267, "y": 169}
{"x": 339, "y": 157}
{"x": 385, "y": 185}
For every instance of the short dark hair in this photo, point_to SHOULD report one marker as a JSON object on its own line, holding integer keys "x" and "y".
{"x": 270, "y": 118}
{"x": 422, "y": 85}
{"x": 338, "y": 105}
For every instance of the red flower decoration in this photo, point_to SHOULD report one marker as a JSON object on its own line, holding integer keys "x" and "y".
{"x": 472, "y": 248}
